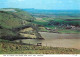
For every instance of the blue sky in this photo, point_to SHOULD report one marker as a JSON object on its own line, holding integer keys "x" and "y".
{"x": 42, "y": 4}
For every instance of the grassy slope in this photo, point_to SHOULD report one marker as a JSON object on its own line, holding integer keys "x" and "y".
{"x": 13, "y": 19}
{"x": 10, "y": 20}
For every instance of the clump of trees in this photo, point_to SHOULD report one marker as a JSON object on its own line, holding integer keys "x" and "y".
{"x": 63, "y": 22}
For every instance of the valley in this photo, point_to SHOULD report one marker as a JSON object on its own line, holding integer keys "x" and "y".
{"x": 22, "y": 29}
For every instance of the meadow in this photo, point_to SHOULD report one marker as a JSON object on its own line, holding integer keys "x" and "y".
{"x": 8, "y": 47}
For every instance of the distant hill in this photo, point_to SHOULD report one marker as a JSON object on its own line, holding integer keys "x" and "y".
{"x": 32, "y": 10}
{"x": 54, "y": 13}
{"x": 11, "y": 19}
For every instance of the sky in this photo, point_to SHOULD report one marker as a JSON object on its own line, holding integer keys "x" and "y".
{"x": 42, "y": 4}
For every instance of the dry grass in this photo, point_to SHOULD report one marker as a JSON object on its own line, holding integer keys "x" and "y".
{"x": 7, "y": 47}
{"x": 26, "y": 29}
{"x": 28, "y": 35}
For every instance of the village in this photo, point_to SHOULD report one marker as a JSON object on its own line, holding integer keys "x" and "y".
{"x": 67, "y": 27}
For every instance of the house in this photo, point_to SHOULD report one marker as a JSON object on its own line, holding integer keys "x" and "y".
{"x": 70, "y": 27}
{"x": 48, "y": 28}
{"x": 39, "y": 44}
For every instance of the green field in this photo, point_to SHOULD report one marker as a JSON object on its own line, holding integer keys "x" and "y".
{"x": 53, "y": 23}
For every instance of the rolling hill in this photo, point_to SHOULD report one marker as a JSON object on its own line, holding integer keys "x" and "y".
{"x": 13, "y": 20}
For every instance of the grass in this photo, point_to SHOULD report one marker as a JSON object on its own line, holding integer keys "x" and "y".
{"x": 6, "y": 32}
{"x": 7, "y": 47}
{"x": 28, "y": 35}
{"x": 14, "y": 19}
{"x": 9, "y": 21}
{"x": 43, "y": 29}
{"x": 26, "y": 29}
{"x": 40, "y": 22}
{"x": 45, "y": 21}
{"x": 69, "y": 31}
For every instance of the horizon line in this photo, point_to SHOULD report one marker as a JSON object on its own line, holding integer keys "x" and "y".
{"x": 41, "y": 9}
